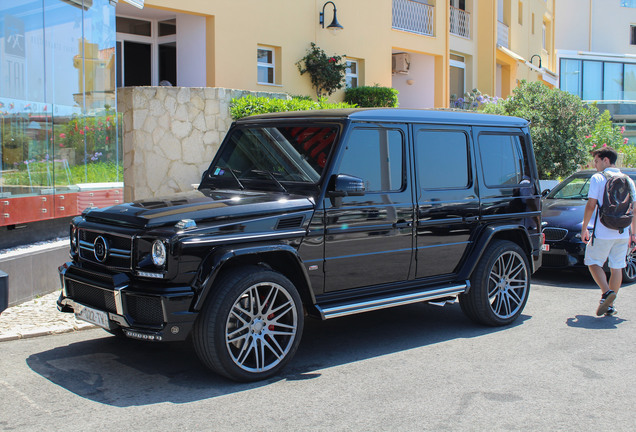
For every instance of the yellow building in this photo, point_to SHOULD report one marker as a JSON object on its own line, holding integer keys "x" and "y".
{"x": 427, "y": 49}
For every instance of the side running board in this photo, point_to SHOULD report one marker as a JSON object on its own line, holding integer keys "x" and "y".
{"x": 334, "y": 310}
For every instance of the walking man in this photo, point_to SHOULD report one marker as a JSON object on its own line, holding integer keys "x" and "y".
{"x": 607, "y": 244}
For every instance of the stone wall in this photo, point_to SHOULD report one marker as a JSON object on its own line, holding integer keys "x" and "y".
{"x": 171, "y": 135}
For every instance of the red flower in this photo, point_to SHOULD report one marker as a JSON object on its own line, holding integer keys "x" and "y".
{"x": 81, "y": 132}
{"x": 331, "y": 60}
{"x": 62, "y": 135}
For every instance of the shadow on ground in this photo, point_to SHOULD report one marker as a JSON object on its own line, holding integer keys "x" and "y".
{"x": 122, "y": 372}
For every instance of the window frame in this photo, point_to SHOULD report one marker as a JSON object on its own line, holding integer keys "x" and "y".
{"x": 154, "y": 40}
{"x": 469, "y": 156}
{"x": 459, "y": 64}
{"x": 260, "y": 64}
{"x": 524, "y": 152}
{"x": 403, "y": 165}
{"x": 349, "y": 75}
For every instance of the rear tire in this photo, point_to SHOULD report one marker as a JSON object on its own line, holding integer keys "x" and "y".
{"x": 499, "y": 286}
{"x": 251, "y": 326}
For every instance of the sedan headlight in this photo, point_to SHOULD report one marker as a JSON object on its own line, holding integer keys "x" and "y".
{"x": 158, "y": 253}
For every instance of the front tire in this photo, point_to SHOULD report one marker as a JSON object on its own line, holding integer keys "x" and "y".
{"x": 499, "y": 286}
{"x": 251, "y": 327}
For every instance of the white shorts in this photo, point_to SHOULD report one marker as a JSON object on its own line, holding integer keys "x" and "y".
{"x": 612, "y": 250}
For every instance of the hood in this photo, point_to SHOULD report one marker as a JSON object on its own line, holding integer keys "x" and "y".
{"x": 563, "y": 213}
{"x": 199, "y": 205}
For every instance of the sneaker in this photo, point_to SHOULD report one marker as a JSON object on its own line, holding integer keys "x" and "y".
{"x": 606, "y": 301}
{"x": 611, "y": 311}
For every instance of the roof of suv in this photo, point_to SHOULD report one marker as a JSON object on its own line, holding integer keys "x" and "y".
{"x": 397, "y": 115}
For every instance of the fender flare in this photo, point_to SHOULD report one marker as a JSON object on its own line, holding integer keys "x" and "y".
{"x": 212, "y": 265}
{"x": 486, "y": 237}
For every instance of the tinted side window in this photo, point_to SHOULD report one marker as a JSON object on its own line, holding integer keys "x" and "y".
{"x": 503, "y": 159}
{"x": 377, "y": 157}
{"x": 449, "y": 171}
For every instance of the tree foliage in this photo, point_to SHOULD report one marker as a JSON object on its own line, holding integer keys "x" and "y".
{"x": 559, "y": 123}
{"x": 327, "y": 73}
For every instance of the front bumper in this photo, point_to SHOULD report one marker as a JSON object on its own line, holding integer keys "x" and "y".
{"x": 147, "y": 312}
{"x": 564, "y": 254}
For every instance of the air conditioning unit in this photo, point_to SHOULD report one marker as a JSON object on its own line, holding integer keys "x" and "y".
{"x": 401, "y": 63}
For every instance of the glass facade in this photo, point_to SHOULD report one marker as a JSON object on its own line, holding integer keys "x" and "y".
{"x": 60, "y": 132}
{"x": 596, "y": 80}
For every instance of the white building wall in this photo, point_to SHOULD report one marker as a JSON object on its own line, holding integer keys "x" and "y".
{"x": 191, "y": 58}
{"x": 417, "y": 88}
{"x": 601, "y": 26}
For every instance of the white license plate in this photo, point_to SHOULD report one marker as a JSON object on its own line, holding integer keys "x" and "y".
{"x": 545, "y": 247}
{"x": 92, "y": 316}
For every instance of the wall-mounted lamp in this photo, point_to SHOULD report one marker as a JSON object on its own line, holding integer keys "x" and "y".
{"x": 532, "y": 58}
{"x": 335, "y": 26}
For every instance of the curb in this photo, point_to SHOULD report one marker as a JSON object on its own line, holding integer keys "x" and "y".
{"x": 37, "y": 333}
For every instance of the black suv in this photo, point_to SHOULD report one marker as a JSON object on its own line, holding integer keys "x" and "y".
{"x": 323, "y": 214}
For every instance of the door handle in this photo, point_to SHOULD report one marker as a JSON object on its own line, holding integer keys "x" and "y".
{"x": 402, "y": 224}
{"x": 470, "y": 218}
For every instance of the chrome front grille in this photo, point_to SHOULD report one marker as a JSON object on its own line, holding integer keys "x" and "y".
{"x": 555, "y": 234}
{"x": 116, "y": 254}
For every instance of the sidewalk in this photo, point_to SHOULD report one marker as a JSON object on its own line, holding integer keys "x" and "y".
{"x": 38, "y": 317}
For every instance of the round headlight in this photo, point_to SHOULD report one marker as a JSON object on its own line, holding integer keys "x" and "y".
{"x": 158, "y": 253}
{"x": 73, "y": 238}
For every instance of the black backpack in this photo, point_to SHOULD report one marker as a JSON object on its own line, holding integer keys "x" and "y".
{"x": 616, "y": 211}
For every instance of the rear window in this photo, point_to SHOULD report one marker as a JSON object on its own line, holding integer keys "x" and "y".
{"x": 504, "y": 160}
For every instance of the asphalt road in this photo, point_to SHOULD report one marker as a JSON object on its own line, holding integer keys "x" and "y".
{"x": 413, "y": 368}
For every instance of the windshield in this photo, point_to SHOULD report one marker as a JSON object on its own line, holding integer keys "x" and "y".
{"x": 572, "y": 188}
{"x": 273, "y": 154}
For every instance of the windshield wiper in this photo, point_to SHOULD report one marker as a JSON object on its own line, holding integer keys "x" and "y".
{"x": 226, "y": 169}
{"x": 271, "y": 175}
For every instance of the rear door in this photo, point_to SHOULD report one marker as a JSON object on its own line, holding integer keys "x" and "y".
{"x": 447, "y": 198}
{"x": 508, "y": 190}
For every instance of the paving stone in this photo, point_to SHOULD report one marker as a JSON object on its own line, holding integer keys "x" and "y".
{"x": 38, "y": 317}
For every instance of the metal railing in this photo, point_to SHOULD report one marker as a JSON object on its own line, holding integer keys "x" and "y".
{"x": 413, "y": 16}
{"x": 459, "y": 22}
{"x": 502, "y": 34}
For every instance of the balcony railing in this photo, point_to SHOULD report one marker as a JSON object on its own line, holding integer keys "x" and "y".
{"x": 413, "y": 16}
{"x": 459, "y": 22}
{"x": 502, "y": 34}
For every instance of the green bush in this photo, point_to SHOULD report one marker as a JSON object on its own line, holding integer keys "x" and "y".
{"x": 604, "y": 134}
{"x": 250, "y": 105}
{"x": 327, "y": 73}
{"x": 372, "y": 96}
{"x": 46, "y": 173}
{"x": 559, "y": 121}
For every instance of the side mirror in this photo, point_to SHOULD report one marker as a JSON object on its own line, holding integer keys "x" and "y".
{"x": 342, "y": 185}
{"x": 545, "y": 192}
